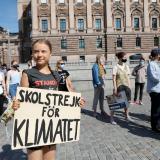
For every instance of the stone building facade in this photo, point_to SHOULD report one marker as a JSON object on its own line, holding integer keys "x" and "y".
{"x": 9, "y": 47}
{"x": 80, "y": 29}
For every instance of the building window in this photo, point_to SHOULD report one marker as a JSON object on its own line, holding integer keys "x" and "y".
{"x": 99, "y": 43}
{"x": 61, "y": 1}
{"x": 63, "y": 44}
{"x": 80, "y": 24}
{"x": 62, "y": 25}
{"x": 64, "y": 58}
{"x": 81, "y": 43}
{"x": 138, "y": 41}
{"x": 136, "y": 23}
{"x": 82, "y": 58}
{"x": 156, "y": 41}
{"x": 43, "y": 1}
{"x": 136, "y": 0}
{"x": 98, "y": 24}
{"x": 154, "y": 23}
{"x": 119, "y": 42}
{"x": 154, "y": 1}
{"x": 118, "y": 23}
{"x": 44, "y": 25}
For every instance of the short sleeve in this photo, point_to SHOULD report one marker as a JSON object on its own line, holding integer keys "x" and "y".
{"x": 67, "y": 74}
{"x": 114, "y": 71}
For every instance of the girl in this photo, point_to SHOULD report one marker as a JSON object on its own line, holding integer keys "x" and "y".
{"x": 98, "y": 74}
{"x": 13, "y": 79}
{"x": 121, "y": 81}
{"x": 41, "y": 52}
{"x": 65, "y": 83}
{"x": 139, "y": 72}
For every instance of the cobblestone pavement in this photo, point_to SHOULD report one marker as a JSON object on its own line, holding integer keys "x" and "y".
{"x": 99, "y": 140}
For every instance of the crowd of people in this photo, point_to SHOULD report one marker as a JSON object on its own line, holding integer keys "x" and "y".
{"x": 10, "y": 79}
{"x": 121, "y": 83}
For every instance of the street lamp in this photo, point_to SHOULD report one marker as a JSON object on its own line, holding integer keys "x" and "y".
{"x": 9, "y": 49}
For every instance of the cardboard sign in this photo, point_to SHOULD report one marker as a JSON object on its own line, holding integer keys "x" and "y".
{"x": 117, "y": 102}
{"x": 45, "y": 117}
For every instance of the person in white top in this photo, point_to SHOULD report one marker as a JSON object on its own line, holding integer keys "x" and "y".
{"x": 13, "y": 79}
{"x": 2, "y": 91}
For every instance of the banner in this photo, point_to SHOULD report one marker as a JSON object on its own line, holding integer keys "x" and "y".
{"x": 45, "y": 117}
{"x": 117, "y": 102}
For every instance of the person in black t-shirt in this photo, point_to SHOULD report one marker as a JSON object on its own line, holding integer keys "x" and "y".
{"x": 65, "y": 83}
{"x": 41, "y": 76}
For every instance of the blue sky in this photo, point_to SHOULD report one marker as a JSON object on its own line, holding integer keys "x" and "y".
{"x": 8, "y": 15}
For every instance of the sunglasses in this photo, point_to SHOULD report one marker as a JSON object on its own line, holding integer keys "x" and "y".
{"x": 62, "y": 63}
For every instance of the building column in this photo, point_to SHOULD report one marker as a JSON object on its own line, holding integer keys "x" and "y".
{"x": 34, "y": 17}
{"x": 89, "y": 17}
{"x": 146, "y": 16}
{"x": 71, "y": 17}
{"x": 20, "y": 15}
{"x": 109, "y": 16}
{"x": 128, "y": 16}
{"x": 53, "y": 17}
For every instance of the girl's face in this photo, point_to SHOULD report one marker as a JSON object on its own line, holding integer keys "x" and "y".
{"x": 102, "y": 60}
{"x": 61, "y": 65}
{"x": 41, "y": 54}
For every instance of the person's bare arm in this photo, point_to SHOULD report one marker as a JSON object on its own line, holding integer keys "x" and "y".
{"x": 24, "y": 83}
{"x": 24, "y": 80}
{"x": 114, "y": 84}
{"x": 8, "y": 81}
{"x": 69, "y": 85}
{"x": 4, "y": 86}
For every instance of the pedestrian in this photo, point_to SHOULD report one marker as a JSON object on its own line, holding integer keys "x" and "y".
{"x": 153, "y": 88}
{"x": 41, "y": 52}
{"x": 121, "y": 82}
{"x": 65, "y": 83}
{"x": 140, "y": 76}
{"x": 4, "y": 69}
{"x": 13, "y": 79}
{"x": 2, "y": 91}
{"x": 98, "y": 75}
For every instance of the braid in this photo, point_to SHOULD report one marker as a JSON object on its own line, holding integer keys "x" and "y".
{"x": 56, "y": 78}
{"x": 49, "y": 67}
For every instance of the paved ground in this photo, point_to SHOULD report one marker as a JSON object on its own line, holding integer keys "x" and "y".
{"x": 100, "y": 140}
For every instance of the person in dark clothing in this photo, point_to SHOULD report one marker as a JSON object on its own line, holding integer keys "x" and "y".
{"x": 2, "y": 91}
{"x": 65, "y": 83}
{"x": 153, "y": 88}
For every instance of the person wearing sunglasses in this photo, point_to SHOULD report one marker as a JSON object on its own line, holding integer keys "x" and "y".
{"x": 65, "y": 83}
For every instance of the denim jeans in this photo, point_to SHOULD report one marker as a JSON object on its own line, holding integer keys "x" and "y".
{"x": 13, "y": 89}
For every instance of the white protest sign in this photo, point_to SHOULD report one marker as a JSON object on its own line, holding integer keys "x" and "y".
{"x": 45, "y": 117}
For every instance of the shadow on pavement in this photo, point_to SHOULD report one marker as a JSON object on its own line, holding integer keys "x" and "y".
{"x": 134, "y": 127}
{"x": 136, "y": 116}
{"x": 103, "y": 118}
{"x": 8, "y": 154}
